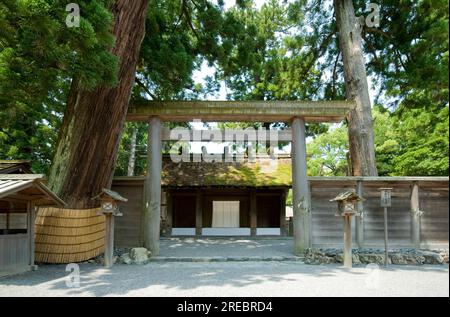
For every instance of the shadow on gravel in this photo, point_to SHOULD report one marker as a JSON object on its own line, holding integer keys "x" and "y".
{"x": 121, "y": 279}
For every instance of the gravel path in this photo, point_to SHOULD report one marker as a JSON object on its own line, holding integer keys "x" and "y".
{"x": 230, "y": 247}
{"x": 232, "y": 279}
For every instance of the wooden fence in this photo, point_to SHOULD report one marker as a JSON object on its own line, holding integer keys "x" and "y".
{"x": 430, "y": 221}
{"x": 327, "y": 229}
{"x": 14, "y": 253}
{"x": 68, "y": 235}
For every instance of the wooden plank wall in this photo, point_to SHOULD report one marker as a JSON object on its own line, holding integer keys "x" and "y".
{"x": 326, "y": 228}
{"x": 435, "y": 206}
{"x": 399, "y": 215}
{"x": 128, "y": 228}
{"x": 14, "y": 253}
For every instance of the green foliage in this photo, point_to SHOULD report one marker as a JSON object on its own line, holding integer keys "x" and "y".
{"x": 423, "y": 141}
{"x": 267, "y": 55}
{"x": 408, "y": 58}
{"x": 286, "y": 50}
{"x": 386, "y": 140}
{"x": 179, "y": 35}
{"x": 408, "y": 61}
{"x": 39, "y": 55}
{"x": 327, "y": 153}
{"x": 125, "y": 147}
{"x": 408, "y": 53}
{"x": 414, "y": 144}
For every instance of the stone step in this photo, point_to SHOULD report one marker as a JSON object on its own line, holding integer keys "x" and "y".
{"x": 225, "y": 259}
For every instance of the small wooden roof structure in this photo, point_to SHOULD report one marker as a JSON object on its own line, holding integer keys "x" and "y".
{"x": 256, "y": 111}
{"x": 349, "y": 195}
{"x": 28, "y": 187}
{"x": 108, "y": 193}
{"x": 15, "y": 167}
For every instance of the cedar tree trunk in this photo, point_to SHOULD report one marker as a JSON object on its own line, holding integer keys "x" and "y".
{"x": 93, "y": 121}
{"x": 360, "y": 125}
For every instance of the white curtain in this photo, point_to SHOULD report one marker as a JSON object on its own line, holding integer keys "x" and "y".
{"x": 225, "y": 214}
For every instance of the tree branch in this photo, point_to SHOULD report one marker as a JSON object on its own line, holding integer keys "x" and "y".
{"x": 333, "y": 87}
{"x": 184, "y": 8}
{"x": 317, "y": 53}
{"x": 141, "y": 84}
{"x": 378, "y": 31}
{"x": 371, "y": 48}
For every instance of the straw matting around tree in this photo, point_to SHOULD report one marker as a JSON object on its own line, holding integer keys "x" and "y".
{"x": 68, "y": 235}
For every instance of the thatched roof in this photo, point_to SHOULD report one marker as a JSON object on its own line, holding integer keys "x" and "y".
{"x": 261, "y": 173}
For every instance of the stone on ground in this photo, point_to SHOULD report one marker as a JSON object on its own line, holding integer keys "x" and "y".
{"x": 139, "y": 255}
{"x": 432, "y": 257}
{"x": 125, "y": 259}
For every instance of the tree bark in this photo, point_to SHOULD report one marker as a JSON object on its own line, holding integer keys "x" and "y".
{"x": 93, "y": 121}
{"x": 132, "y": 158}
{"x": 360, "y": 124}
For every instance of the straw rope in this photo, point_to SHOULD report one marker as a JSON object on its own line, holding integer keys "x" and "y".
{"x": 68, "y": 235}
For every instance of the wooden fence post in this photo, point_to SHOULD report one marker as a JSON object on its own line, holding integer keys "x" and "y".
{"x": 359, "y": 220}
{"x": 31, "y": 233}
{"x": 169, "y": 214}
{"x": 415, "y": 216}
{"x": 109, "y": 240}
{"x": 253, "y": 213}
{"x": 347, "y": 241}
{"x": 198, "y": 213}
{"x": 283, "y": 214}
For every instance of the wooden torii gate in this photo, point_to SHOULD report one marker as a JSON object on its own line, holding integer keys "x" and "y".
{"x": 295, "y": 112}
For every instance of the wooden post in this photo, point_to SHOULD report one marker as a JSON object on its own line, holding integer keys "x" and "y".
{"x": 152, "y": 207}
{"x": 283, "y": 214}
{"x": 347, "y": 241}
{"x": 309, "y": 215}
{"x": 198, "y": 213}
{"x": 169, "y": 217}
{"x": 109, "y": 240}
{"x": 415, "y": 216}
{"x": 386, "y": 248}
{"x": 253, "y": 213}
{"x": 32, "y": 217}
{"x": 7, "y": 215}
{"x": 360, "y": 219}
{"x": 300, "y": 189}
{"x": 385, "y": 202}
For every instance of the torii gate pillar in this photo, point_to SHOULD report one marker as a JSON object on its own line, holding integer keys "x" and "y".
{"x": 300, "y": 188}
{"x": 152, "y": 201}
